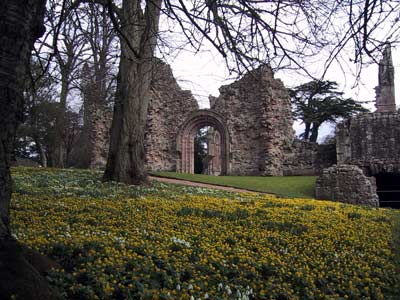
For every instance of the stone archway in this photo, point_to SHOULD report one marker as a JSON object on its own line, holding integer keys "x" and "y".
{"x": 185, "y": 139}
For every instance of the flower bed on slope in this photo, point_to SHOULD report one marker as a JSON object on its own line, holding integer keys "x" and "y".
{"x": 168, "y": 242}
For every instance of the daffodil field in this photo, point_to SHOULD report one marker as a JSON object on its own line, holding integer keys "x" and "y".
{"x": 114, "y": 241}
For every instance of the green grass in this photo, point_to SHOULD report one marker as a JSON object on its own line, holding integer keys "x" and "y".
{"x": 286, "y": 186}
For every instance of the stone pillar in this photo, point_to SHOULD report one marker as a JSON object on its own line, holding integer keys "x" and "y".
{"x": 385, "y": 93}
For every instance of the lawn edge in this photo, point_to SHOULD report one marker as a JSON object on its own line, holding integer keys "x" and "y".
{"x": 216, "y": 184}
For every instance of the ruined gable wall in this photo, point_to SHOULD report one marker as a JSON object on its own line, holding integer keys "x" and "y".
{"x": 370, "y": 141}
{"x": 258, "y": 116}
{"x": 168, "y": 109}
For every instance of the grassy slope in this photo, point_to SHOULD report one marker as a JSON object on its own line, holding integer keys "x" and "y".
{"x": 287, "y": 186}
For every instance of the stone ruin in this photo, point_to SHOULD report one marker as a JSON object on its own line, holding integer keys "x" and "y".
{"x": 251, "y": 132}
{"x": 252, "y": 125}
{"x": 368, "y": 151}
{"x": 93, "y": 142}
{"x": 385, "y": 92}
{"x": 168, "y": 108}
{"x": 308, "y": 158}
{"x": 257, "y": 113}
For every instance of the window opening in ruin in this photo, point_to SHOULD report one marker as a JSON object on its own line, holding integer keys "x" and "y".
{"x": 207, "y": 151}
{"x": 388, "y": 189}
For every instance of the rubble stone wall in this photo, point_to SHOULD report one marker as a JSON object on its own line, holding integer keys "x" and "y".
{"x": 168, "y": 109}
{"x": 348, "y": 184}
{"x": 370, "y": 141}
{"x": 257, "y": 112}
{"x": 307, "y": 158}
{"x": 99, "y": 137}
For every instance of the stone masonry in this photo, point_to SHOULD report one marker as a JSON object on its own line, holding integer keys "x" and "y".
{"x": 370, "y": 141}
{"x": 308, "y": 158}
{"x": 367, "y": 145}
{"x": 93, "y": 142}
{"x": 346, "y": 183}
{"x": 168, "y": 108}
{"x": 257, "y": 112}
{"x": 385, "y": 92}
{"x": 252, "y": 118}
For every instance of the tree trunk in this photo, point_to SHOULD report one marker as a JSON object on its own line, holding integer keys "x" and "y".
{"x": 42, "y": 153}
{"x": 126, "y": 158}
{"x": 306, "y": 131}
{"x": 21, "y": 23}
{"x": 314, "y": 132}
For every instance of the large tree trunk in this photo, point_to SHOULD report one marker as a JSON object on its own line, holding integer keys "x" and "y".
{"x": 126, "y": 158}
{"x": 21, "y": 23}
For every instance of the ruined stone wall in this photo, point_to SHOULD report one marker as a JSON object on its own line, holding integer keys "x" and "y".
{"x": 258, "y": 116}
{"x": 307, "y": 158}
{"x": 346, "y": 183}
{"x": 370, "y": 141}
{"x": 93, "y": 142}
{"x": 99, "y": 136}
{"x": 168, "y": 109}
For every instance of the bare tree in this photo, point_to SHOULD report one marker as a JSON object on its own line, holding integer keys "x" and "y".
{"x": 138, "y": 28}
{"x": 68, "y": 50}
{"x": 40, "y": 107}
{"x": 98, "y": 32}
{"x": 98, "y": 79}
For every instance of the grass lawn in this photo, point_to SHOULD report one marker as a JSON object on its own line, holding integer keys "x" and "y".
{"x": 114, "y": 241}
{"x": 285, "y": 186}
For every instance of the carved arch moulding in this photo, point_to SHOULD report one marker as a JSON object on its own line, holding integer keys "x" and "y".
{"x": 187, "y": 132}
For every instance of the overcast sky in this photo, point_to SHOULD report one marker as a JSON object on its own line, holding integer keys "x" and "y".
{"x": 203, "y": 74}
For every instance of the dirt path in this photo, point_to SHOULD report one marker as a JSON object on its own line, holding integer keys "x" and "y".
{"x": 199, "y": 184}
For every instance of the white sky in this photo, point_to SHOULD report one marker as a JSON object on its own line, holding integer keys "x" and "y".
{"x": 203, "y": 73}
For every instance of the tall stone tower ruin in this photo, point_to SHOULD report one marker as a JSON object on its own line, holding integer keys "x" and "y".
{"x": 385, "y": 93}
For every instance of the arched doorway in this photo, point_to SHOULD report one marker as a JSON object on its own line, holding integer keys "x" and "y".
{"x": 186, "y": 135}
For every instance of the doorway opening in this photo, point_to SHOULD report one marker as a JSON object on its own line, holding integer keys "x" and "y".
{"x": 208, "y": 126}
{"x": 207, "y": 151}
{"x": 388, "y": 189}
